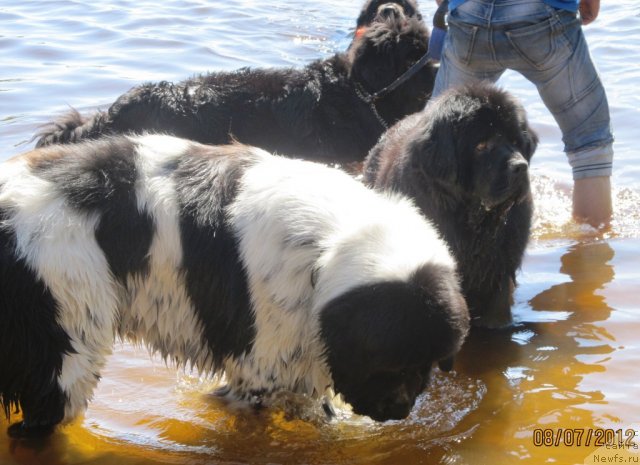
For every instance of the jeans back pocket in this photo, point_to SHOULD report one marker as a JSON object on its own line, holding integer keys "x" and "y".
{"x": 463, "y": 38}
{"x": 540, "y": 45}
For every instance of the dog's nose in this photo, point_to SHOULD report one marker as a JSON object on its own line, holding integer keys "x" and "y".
{"x": 518, "y": 166}
{"x": 389, "y": 10}
{"x": 395, "y": 406}
{"x": 398, "y": 410}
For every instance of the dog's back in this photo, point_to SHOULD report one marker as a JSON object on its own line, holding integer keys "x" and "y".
{"x": 325, "y": 111}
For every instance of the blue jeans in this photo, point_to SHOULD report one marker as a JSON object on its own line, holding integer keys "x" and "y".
{"x": 546, "y": 46}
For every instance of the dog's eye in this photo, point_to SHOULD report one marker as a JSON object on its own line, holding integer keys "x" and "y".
{"x": 482, "y": 146}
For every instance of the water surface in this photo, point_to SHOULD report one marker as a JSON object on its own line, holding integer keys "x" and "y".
{"x": 570, "y": 361}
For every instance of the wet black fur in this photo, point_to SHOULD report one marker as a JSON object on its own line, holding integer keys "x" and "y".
{"x": 477, "y": 196}
{"x": 220, "y": 278}
{"x": 103, "y": 181}
{"x": 314, "y": 113}
{"x": 377, "y": 348}
{"x": 32, "y": 343}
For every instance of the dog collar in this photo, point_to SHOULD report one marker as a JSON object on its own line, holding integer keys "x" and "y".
{"x": 369, "y": 100}
{"x": 404, "y": 77}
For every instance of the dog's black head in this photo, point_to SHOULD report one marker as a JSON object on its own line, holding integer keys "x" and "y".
{"x": 381, "y": 340}
{"x": 383, "y": 53}
{"x": 386, "y": 50}
{"x": 476, "y": 142}
{"x": 377, "y": 10}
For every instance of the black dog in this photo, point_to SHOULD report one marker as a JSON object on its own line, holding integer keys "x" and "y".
{"x": 465, "y": 162}
{"x": 324, "y": 112}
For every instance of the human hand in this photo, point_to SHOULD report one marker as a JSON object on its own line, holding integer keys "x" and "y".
{"x": 589, "y": 10}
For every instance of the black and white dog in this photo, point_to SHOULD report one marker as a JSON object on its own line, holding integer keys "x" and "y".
{"x": 284, "y": 274}
{"x": 328, "y": 111}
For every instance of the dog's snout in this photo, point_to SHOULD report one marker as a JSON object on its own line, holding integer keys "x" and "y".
{"x": 395, "y": 406}
{"x": 390, "y": 10}
{"x": 396, "y": 409}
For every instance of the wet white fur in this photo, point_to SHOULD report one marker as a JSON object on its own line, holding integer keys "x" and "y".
{"x": 172, "y": 329}
{"x": 353, "y": 237}
{"x": 339, "y": 235}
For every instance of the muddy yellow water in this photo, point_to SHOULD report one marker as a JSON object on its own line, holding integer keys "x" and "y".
{"x": 567, "y": 369}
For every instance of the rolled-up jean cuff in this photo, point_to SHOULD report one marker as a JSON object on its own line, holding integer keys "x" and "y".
{"x": 592, "y": 162}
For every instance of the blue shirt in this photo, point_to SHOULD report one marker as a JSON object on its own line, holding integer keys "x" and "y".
{"x": 570, "y": 5}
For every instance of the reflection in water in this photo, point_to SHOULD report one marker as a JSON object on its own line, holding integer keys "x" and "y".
{"x": 588, "y": 267}
{"x": 569, "y": 350}
{"x": 534, "y": 370}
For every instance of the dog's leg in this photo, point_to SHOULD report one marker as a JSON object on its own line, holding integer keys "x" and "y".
{"x": 41, "y": 412}
{"x": 29, "y": 367}
{"x": 64, "y": 397}
{"x": 32, "y": 345}
{"x": 32, "y": 348}
{"x": 494, "y": 304}
{"x": 85, "y": 302}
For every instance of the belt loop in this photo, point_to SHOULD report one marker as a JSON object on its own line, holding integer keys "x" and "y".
{"x": 489, "y": 19}
{"x": 556, "y": 16}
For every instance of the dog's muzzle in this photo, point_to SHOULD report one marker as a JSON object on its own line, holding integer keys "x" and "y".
{"x": 518, "y": 168}
{"x": 390, "y": 11}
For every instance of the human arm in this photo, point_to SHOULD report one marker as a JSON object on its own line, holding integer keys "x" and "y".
{"x": 589, "y": 10}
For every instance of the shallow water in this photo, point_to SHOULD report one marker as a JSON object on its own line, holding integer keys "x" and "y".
{"x": 571, "y": 361}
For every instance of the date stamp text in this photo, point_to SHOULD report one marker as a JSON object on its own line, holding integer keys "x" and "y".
{"x": 586, "y": 437}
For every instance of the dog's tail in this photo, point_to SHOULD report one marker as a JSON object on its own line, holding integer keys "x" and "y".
{"x": 72, "y": 127}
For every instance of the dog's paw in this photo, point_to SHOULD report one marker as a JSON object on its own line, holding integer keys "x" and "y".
{"x": 22, "y": 430}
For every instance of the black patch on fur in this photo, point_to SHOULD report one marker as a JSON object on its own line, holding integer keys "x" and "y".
{"x": 32, "y": 343}
{"x": 100, "y": 178}
{"x": 381, "y": 339}
{"x": 206, "y": 182}
{"x": 464, "y": 161}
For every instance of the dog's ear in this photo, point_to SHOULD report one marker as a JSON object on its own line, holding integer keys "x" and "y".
{"x": 379, "y": 326}
{"x": 530, "y": 139}
{"x": 433, "y": 150}
{"x": 394, "y": 324}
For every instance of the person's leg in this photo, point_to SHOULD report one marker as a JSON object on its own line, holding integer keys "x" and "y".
{"x": 467, "y": 55}
{"x": 571, "y": 89}
{"x": 592, "y": 200}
